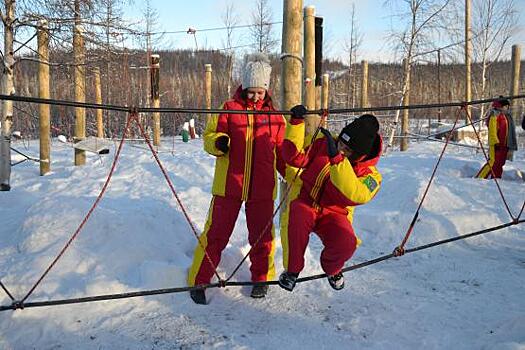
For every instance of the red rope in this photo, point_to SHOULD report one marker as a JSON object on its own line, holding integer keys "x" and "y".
{"x": 285, "y": 196}
{"x": 132, "y": 116}
{"x": 400, "y": 250}
{"x": 194, "y": 230}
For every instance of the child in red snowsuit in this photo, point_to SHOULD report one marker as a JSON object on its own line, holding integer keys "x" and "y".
{"x": 502, "y": 139}
{"x": 336, "y": 176}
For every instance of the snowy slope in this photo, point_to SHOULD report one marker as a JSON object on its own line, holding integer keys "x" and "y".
{"x": 463, "y": 295}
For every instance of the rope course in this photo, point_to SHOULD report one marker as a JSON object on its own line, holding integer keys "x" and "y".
{"x": 132, "y": 116}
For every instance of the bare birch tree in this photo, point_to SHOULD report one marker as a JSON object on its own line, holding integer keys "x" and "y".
{"x": 351, "y": 47}
{"x": 230, "y": 19}
{"x": 419, "y": 23}
{"x": 262, "y": 29}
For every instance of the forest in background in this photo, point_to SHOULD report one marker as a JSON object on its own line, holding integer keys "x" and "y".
{"x": 125, "y": 81}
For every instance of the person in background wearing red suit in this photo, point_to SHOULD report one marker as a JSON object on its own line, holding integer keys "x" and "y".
{"x": 337, "y": 175}
{"x": 502, "y": 139}
{"x": 247, "y": 151}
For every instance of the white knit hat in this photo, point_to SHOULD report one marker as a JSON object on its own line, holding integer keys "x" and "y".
{"x": 256, "y": 73}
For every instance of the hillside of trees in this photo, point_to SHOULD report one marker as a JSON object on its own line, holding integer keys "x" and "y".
{"x": 125, "y": 81}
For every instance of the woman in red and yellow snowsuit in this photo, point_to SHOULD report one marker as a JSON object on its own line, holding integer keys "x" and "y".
{"x": 334, "y": 179}
{"x": 502, "y": 139}
{"x": 247, "y": 147}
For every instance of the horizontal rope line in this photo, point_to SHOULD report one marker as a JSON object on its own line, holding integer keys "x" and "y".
{"x": 215, "y": 111}
{"x": 16, "y": 305}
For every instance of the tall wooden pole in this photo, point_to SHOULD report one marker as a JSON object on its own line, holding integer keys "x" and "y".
{"x": 311, "y": 120}
{"x": 325, "y": 90}
{"x": 8, "y": 88}
{"x": 291, "y": 50}
{"x": 80, "y": 84}
{"x": 406, "y": 102}
{"x": 43, "y": 92}
{"x": 207, "y": 85}
{"x": 155, "y": 95}
{"x": 364, "y": 85}
{"x": 98, "y": 100}
{"x": 468, "y": 54}
{"x": 515, "y": 81}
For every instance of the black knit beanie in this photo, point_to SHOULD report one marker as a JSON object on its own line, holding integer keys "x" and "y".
{"x": 360, "y": 134}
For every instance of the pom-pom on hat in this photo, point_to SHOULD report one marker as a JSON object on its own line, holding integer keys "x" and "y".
{"x": 500, "y": 102}
{"x": 360, "y": 134}
{"x": 256, "y": 73}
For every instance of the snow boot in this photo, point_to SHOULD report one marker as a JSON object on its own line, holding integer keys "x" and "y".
{"x": 337, "y": 281}
{"x": 198, "y": 296}
{"x": 287, "y": 280}
{"x": 259, "y": 291}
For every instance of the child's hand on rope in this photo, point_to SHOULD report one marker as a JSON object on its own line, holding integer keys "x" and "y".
{"x": 298, "y": 112}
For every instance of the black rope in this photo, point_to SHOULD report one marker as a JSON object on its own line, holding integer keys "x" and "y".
{"x": 25, "y": 155}
{"x": 215, "y": 111}
{"x": 18, "y": 305}
{"x": 6, "y": 291}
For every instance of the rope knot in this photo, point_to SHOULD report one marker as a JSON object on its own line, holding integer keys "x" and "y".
{"x": 399, "y": 251}
{"x": 222, "y": 283}
{"x": 17, "y": 304}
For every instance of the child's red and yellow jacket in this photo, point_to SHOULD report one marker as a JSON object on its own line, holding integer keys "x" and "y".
{"x": 329, "y": 183}
{"x": 498, "y": 128}
{"x": 248, "y": 169}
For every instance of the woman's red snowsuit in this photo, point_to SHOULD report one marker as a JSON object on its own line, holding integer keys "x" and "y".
{"x": 245, "y": 173}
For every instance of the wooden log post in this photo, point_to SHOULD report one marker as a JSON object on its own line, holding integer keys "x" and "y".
{"x": 325, "y": 91}
{"x": 207, "y": 86}
{"x": 80, "y": 90}
{"x": 406, "y": 101}
{"x": 291, "y": 67}
{"x": 468, "y": 55}
{"x": 98, "y": 100}
{"x": 364, "y": 84}
{"x": 311, "y": 120}
{"x": 325, "y": 94}
{"x": 291, "y": 50}
{"x": 515, "y": 82}
{"x": 155, "y": 95}
{"x": 43, "y": 92}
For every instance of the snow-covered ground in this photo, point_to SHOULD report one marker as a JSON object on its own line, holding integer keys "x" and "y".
{"x": 464, "y": 295}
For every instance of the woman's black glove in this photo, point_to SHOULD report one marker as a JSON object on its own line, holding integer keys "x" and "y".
{"x": 298, "y": 111}
{"x": 332, "y": 147}
{"x": 222, "y": 143}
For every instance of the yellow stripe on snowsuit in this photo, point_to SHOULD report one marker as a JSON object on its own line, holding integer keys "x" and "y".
{"x": 485, "y": 172}
{"x": 199, "y": 254}
{"x": 271, "y": 258}
{"x": 285, "y": 215}
{"x": 248, "y": 159}
{"x": 314, "y": 193}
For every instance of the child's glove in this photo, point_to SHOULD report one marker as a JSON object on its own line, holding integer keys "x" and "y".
{"x": 222, "y": 143}
{"x": 332, "y": 147}
{"x": 298, "y": 111}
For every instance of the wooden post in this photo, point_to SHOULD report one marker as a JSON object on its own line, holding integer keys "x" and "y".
{"x": 98, "y": 100}
{"x": 364, "y": 85}
{"x": 207, "y": 86}
{"x": 155, "y": 96}
{"x": 291, "y": 49}
{"x": 311, "y": 120}
{"x": 80, "y": 88}
{"x": 324, "y": 94}
{"x": 515, "y": 82}
{"x": 468, "y": 55}
{"x": 43, "y": 92}
{"x": 406, "y": 102}
{"x": 7, "y": 88}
